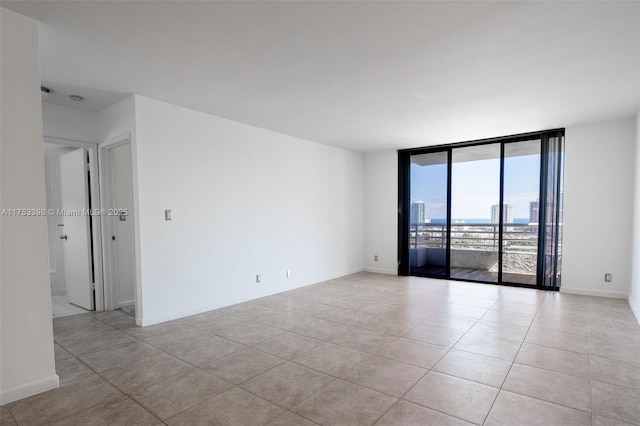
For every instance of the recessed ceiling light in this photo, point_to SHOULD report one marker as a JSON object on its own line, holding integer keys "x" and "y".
{"x": 76, "y": 98}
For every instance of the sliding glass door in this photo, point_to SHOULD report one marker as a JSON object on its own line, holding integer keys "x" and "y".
{"x": 475, "y": 191}
{"x": 428, "y": 239}
{"x": 486, "y": 211}
{"x": 521, "y": 186}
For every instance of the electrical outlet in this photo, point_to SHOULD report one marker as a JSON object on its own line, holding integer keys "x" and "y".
{"x": 375, "y": 258}
{"x": 288, "y": 273}
{"x": 258, "y": 278}
{"x": 608, "y": 278}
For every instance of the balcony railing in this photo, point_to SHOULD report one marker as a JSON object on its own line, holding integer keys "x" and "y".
{"x": 516, "y": 237}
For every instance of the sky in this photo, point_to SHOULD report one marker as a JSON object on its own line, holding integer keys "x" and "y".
{"x": 475, "y": 187}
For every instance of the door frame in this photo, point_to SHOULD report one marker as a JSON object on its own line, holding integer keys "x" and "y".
{"x": 96, "y": 233}
{"x": 404, "y": 191}
{"x": 106, "y": 199}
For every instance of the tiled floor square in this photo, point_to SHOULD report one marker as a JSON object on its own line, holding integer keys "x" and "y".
{"x": 332, "y": 359}
{"x": 457, "y": 397}
{"x": 290, "y": 419}
{"x": 364, "y": 340}
{"x": 616, "y": 402}
{"x": 118, "y": 412}
{"x": 235, "y": 407}
{"x": 385, "y": 375}
{"x": 133, "y": 377}
{"x": 475, "y": 367}
{"x": 487, "y": 345}
{"x": 558, "y": 388}
{"x": 287, "y": 384}
{"x": 500, "y": 329}
{"x": 430, "y": 333}
{"x": 558, "y": 340}
{"x": 447, "y": 320}
{"x": 406, "y": 413}
{"x": 204, "y": 353}
{"x": 243, "y": 365}
{"x": 288, "y": 345}
{"x": 341, "y": 403}
{"x": 118, "y": 355}
{"x": 513, "y": 409}
{"x": 413, "y": 352}
{"x": 616, "y": 372}
{"x": 558, "y": 360}
{"x": 63, "y": 402}
{"x": 173, "y": 395}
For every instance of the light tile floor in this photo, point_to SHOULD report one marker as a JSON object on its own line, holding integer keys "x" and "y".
{"x": 62, "y": 308}
{"x": 360, "y": 350}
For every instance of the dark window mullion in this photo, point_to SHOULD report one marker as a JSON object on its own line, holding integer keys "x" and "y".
{"x": 542, "y": 210}
{"x": 501, "y": 213}
{"x": 404, "y": 182}
{"x": 448, "y": 245}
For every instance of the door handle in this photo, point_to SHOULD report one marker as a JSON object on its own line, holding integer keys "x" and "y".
{"x": 63, "y": 237}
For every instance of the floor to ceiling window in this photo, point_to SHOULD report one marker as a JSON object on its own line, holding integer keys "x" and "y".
{"x": 486, "y": 211}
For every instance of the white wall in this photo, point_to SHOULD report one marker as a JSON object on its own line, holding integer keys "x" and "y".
{"x": 598, "y": 206}
{"x": 69, "y": 123}
{"x": 246, "y": 201}
{"x": 634, "y": 294}
{"x": 26, "y": 338}
{"x": 116, "y": 121}
{"x": 381, "y": 212}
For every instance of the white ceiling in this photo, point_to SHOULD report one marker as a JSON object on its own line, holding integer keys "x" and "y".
{"x": 362, "y": 75}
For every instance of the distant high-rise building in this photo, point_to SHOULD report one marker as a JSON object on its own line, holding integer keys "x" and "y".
{"x": 533, "y": 211}
{"x": 507, "y": 213}
{"x": 418, "y": 212}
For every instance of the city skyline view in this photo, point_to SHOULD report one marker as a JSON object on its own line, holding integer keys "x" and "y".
{"x": 475, "y": 187}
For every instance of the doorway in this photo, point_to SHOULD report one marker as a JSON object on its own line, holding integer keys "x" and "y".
{"x": 118, "y": 224}
{"x": 484, "y": 211}
{"x": 73, "y": 230}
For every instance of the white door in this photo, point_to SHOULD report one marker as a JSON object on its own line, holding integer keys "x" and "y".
{"x": 75, "y": 232}
{"x": 123, "y": 225}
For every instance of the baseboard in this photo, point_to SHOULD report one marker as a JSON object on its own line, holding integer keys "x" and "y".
{"x": 126, "y": 303}
{"x": 145, "y": 320}
{"x": 29, "y": 389}
{"x": 592, "y": 292}
{"x": 382, "y": 271}
{"x": 635, "y": 309}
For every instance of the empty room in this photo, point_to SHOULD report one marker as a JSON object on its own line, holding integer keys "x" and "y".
{"x": 320, "y": 213}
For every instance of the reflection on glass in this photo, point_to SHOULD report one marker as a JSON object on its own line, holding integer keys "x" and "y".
{"x": 521, "y": 199}
{"x": 428, "y": 215}
{"x": 475, "y": 195}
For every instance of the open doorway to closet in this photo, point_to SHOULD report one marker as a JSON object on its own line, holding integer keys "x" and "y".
{"x": 484, "y": 211}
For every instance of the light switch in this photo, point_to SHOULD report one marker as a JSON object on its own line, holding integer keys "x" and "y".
{"x": 168, "y": 215}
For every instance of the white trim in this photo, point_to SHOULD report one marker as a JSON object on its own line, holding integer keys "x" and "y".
{"x": 29, "y": 389}
{"x": 116, "y": 141}
{"x": 96, "y": 199}
{"x": 382, "y": 271}
{"x": 591, "y": 292}
{"x": 635, "y": 309}
{"x": 126, "y": 303}
{"x": 106, "y": 185}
